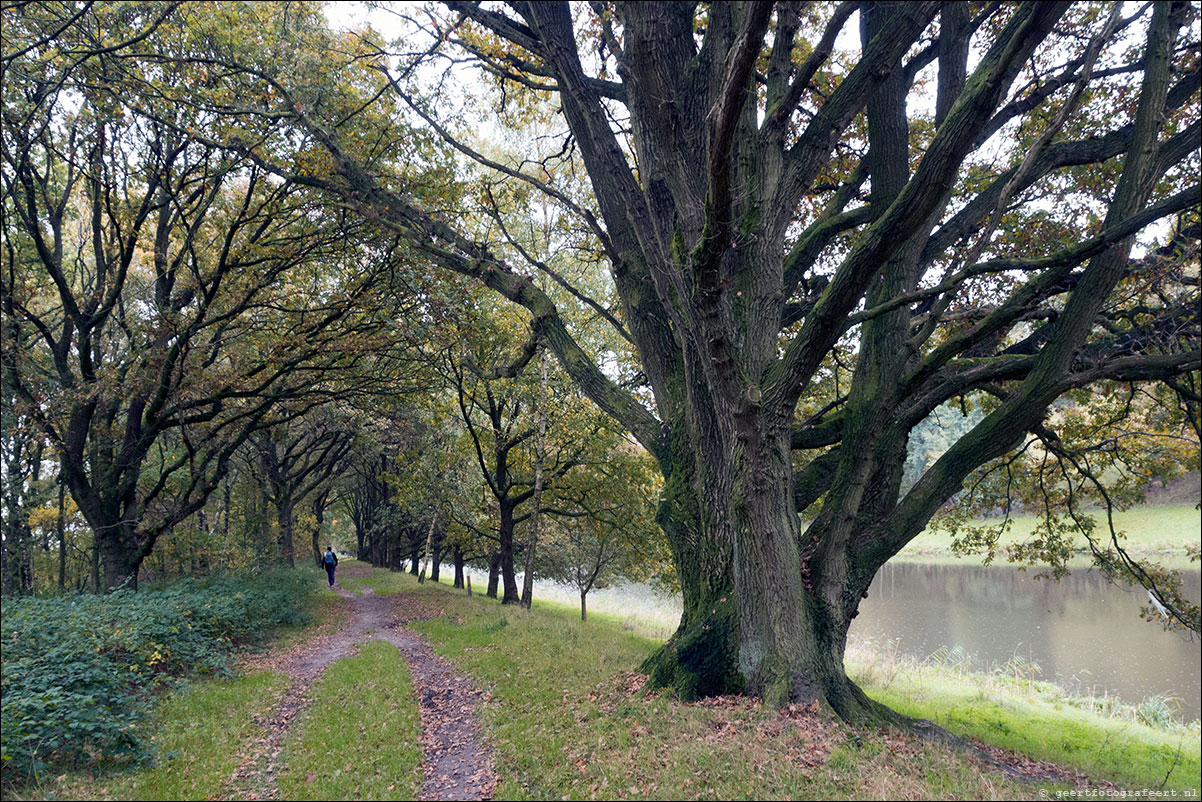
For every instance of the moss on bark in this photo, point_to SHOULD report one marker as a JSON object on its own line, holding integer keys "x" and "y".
{"x": 701, "y": 658}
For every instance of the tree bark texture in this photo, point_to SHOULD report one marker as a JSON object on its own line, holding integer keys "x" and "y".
{"x": 738, "y": 292}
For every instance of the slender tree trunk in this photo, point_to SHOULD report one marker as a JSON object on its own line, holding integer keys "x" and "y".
{"x": 494, "y": 573}
{"x": 225, "y": 509}
{"x": 198, "y": 554}
{"x": 540, "y": 452}
{"x": 61, "y": 527}
{"x": 458, "y": 555}
{"x": 429, "y": 546}
{"x": 583, "y": 606}
{"x": 436, "y": 562}
{"x": 27, "y": 577}
{"x": 509, "y": 581}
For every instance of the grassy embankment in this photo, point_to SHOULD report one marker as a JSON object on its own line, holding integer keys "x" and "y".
{"x": 1160, "y": 533}
{"x": 564, "y": 723}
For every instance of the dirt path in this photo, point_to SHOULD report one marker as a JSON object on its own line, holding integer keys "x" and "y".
{"x": 455, "y": 763}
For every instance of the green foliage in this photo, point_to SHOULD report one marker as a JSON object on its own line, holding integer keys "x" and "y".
{"x": 78, "y": 671}
{"x": 196, "y": 736}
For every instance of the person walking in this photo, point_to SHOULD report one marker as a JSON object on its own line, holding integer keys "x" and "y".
{"x": 329, "y": 560}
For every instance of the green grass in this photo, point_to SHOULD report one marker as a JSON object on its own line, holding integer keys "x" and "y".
{"x": 352, "y": 584}
{"x": 1160, "y": 531}
{"x": 1037, "y": 719}
{"x": 359, "y": 738}
{"x": 564, "y": 725}
{"x": 381, "y": 581}
{"x": 389, "y": 582}
{"x": 197, "y": 735}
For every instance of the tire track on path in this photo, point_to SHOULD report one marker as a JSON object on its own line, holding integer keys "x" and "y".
{"x": 455, "y": 763}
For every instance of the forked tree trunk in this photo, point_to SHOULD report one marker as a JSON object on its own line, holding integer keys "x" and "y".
{"x": 773, "y": 637}
{"x": 119, "y": 557}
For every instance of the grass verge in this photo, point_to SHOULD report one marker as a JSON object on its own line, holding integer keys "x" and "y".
{"x": 564, "y": 722}
{"x": 195, "y": 735}
{"x": 360, "y": 737}
{"x": 1152, "y": 531}
{"x": 1037, "y": 719}
{"x": 1130, "y": 755}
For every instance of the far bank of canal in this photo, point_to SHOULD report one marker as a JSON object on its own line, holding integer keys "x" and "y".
{"x": 1082, "y": 632}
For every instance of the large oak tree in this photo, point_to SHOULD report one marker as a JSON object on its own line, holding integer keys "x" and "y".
{"x": 762, "y": 197}
{"x": 812, "y": 246}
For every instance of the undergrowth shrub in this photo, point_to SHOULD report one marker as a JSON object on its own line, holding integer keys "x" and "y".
{"x": 79, "y": 671}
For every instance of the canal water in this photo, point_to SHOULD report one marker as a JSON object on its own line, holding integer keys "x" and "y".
{"x": 1082, "y": 632}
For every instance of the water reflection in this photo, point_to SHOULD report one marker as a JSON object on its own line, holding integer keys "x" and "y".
{"x": 1081, "y": 630}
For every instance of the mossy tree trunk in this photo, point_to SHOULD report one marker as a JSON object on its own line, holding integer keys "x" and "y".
{"x": 744, "y": 298}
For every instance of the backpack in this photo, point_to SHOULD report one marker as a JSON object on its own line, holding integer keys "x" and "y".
{"x": 329, "y": 558}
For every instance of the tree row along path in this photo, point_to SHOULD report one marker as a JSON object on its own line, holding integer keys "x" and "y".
{"x": 455, "y": 763}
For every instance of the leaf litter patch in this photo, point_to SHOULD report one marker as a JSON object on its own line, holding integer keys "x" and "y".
{"x": 812, "y": 734}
